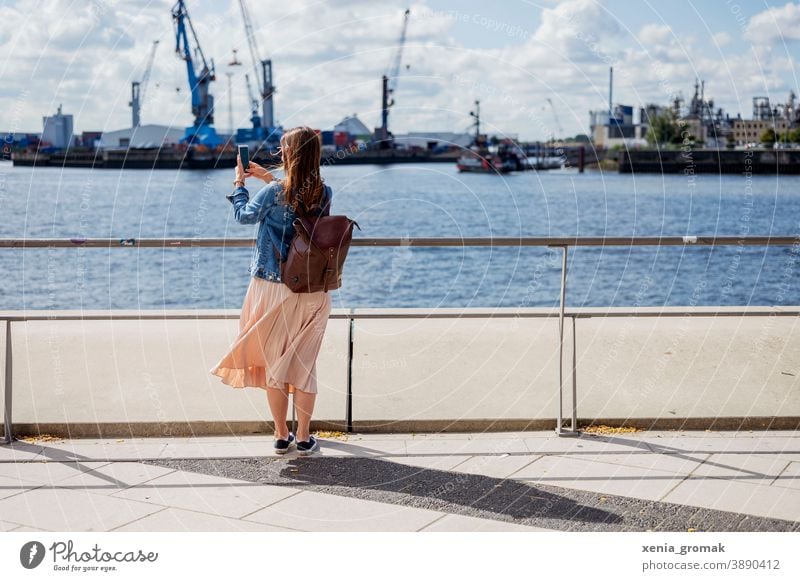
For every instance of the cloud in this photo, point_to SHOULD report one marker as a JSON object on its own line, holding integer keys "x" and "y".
{"x": 654, "y": 33}
{"x": 721, "y": 38}
{"x": 328, "y": 58}
{"x": 775, "y": 24}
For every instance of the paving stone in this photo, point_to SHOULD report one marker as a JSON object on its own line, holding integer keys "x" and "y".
{"x": 674, "y": 463}
{"x": 71, "y": 510}
{"x": 733, "y": 445}
{"x": 742, "y": 497}
{"x": 108, "y": 478}
{"x": 8, "y": 526}
{"x": 789, "y": 478}
{"x": 313, "y": 511}
{"x": 436, "y": 462}
{"x": 212, "y": 494}
{"x": 103, "y": 450}
{"x": 496, "y": 466}
{"x": 466, "y": 447}
{"x": 760, "y": 469}
{"x": 45, "y": 473}
{"x": 27, "y": 529}
{"x": 599, "y": 477}
{"x": 583, "y": 445}
{"x": 461, "y": 523}
{"x": 364, "y": 447}
{"x": 217, "y": 449}
{"x": 179, "y": 520}
{"x": 18, "y": 451}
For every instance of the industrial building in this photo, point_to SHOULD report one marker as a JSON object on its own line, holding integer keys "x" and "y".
{"x": 352, "y": 126}
{"x": 433, "y": 140}
{"x": 142, "y": 137}
{"x": 57, "y": 130}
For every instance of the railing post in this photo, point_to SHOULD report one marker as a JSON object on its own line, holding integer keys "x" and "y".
{"x": 560, "y": 431}
{"x": 7, "y": 422}
{"x": 349, "y": 405}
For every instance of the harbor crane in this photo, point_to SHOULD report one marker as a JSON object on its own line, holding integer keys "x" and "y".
{"x": 202, "y": 132}
{"x": 389, "y": 85}
{"x": 254, "y": 117}
{"x": 263, "y": 77}
{"x": 555, "y": 117}
{"x": 139, "y": 88}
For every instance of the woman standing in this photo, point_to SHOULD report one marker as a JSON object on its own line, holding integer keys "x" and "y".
{"x": 280, "y": 331}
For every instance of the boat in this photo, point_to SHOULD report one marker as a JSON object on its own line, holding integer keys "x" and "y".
{"x": 484, "y": 161}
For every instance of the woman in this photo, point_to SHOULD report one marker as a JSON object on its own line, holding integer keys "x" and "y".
{"x": 280, "y": 331}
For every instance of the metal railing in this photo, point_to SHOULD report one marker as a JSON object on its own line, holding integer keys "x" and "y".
{"x": 564, "y": 243}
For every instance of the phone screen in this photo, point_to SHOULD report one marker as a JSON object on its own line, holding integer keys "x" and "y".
{"x": 244, "y": 153}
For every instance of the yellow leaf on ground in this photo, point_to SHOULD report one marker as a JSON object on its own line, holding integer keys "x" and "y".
{"x": 331, "y": 435}
{"x": 603, "y": 429}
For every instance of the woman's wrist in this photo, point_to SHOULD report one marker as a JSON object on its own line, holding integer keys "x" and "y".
{"x": 238, "y": 183}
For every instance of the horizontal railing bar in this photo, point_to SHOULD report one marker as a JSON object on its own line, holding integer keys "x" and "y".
{"x": 414, "y": 313}
{"x": 496, "y": 241}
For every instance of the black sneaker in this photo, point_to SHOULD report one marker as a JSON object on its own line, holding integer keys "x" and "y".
{"x": 283, "y": 446}
{"x": 306, "y": 448}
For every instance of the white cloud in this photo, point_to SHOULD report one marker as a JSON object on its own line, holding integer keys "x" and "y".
{"x": 775, "y": 24}
{"x": 654, "y": 33}
{"x": 721, "y": 38}
{"x": 328, "y": 58}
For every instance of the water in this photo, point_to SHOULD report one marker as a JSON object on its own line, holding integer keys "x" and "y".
{"x": 404, "y": 200}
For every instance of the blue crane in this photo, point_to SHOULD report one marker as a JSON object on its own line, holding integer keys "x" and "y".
{"x": 202, "y": 132}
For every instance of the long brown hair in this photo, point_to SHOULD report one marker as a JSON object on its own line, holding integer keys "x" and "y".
{"x": 302, "y": 182}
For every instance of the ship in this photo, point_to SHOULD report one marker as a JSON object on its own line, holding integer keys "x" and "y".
{"x": 483, "y": 161}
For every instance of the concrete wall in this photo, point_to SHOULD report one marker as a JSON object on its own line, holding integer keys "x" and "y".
{"x": 151, "y": 372}
{"x": 455, "y": 369}
{"x": 688, "y": 366}
{"x": 411, "y": 369}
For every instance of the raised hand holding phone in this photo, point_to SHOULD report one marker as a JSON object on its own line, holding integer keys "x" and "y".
{"x": 257, "y": 171}
{"x": 240, "y": 173}
{"x": 244, "y": 154}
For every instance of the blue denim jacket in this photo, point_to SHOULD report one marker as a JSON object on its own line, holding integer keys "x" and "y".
{"x": 275, "y": 229}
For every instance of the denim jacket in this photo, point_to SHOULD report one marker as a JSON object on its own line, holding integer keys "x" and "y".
{"x": 275, "y": 225}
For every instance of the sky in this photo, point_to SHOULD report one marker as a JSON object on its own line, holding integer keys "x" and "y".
{"x": 537, "y": 67}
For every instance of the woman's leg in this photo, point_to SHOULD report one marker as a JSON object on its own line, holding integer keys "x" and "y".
{"x": 278, "y": 399}
{"x": 304, "y": 407}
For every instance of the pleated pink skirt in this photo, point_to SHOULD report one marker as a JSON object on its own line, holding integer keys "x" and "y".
{"x": 280, "y": 335}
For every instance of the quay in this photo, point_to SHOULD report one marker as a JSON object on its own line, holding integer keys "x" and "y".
{"x": 430, "y": 419}
{"x": 710, "y": 161}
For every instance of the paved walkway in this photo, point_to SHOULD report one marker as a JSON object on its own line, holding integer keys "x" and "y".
{"x": 407, "y": 482}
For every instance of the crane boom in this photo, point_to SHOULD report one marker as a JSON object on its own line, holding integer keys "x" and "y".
{"x": 138, "y": 89}
{"x": 146, "y": 76}
{"x": 555, "y": 116}
{"x": 394, "y": 71}
{"x": 388, "y": 86}
{"x": 262, "y": 68}
{"x": 252, "y": 44}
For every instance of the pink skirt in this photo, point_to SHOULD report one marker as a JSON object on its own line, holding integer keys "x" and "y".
{"x": 280, "y": 335}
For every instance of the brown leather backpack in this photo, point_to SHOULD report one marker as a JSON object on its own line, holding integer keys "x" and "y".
{"x": 318, "y": 250}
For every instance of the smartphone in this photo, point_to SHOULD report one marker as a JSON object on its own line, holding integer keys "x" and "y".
{"x": 244, "y": 153}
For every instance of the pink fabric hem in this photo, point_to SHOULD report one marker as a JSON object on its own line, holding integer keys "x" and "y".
{"x": 280, "y": 335}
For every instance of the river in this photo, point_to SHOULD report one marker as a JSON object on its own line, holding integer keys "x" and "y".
{"x": 406, "y": 200}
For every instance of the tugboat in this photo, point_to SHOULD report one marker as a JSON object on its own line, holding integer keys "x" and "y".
{"x": 481, "y": 158}
{"x": 484, "y": 161}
